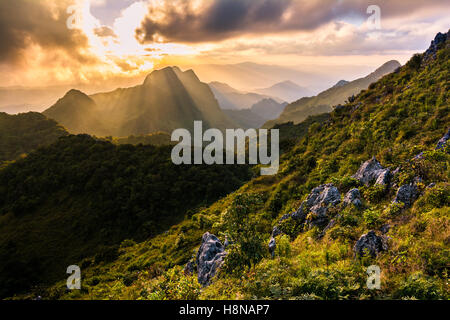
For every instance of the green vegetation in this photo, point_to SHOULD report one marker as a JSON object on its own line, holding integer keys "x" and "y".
{"x": 82, "y": 197}
{"x": 396, "y": 118}
{"x": 20, "y": 134}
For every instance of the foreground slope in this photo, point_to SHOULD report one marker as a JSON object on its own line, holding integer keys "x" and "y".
{"x": 167, "y": 100}
{"x": 399, "y": 120}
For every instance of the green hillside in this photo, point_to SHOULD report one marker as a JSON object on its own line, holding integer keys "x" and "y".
{"x": 81, "y": 197}
{"x": 325, "y": 101}
{"x": 399, "y": 120}
{"x": 20, "y": 134}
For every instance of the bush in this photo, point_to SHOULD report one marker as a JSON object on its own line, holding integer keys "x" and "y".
{"x": 420, "y": 287}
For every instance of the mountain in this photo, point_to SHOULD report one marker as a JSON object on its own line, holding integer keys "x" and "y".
{"x": 232, "y": 99}
{"x": 341, "y": 83}
{"x": 255, "y": 116}
{"x": 286, "y": 90}
{"x": 399, "y": 224}
{"x": 249, "y": 75}
{"x": 20, "y": 134}
{"x": 325, "y": 101}
{"x": 167, "y": 100}
{"x": 78, "y": 113}
{"x": 268, "y": 108}
{"x": 246, "y": 118}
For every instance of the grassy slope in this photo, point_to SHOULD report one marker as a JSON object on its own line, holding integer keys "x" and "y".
{"x": 396, "y": 118}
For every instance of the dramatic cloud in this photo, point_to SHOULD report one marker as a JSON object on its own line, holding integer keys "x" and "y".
{"x": 26, "y": 23}
{"x": 217, "y": 20}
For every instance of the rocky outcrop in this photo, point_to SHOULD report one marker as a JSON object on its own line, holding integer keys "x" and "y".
{"x": 353, "y": 197}
{"x": 318, "y": 202}
{"x": 370, "y": 244}
{"x": 372, "y": 171}
{"x": 407, "y": 194}
{"x": 443, "y": 142}
{"x": 210, "y": 258}
{"x": 434, "y": 47}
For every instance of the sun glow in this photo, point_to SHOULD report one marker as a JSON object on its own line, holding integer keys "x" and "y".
{"x": 116, "y": 47}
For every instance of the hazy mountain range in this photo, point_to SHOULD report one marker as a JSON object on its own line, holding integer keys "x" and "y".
{"x": 167, "y": 100}
{"x": 326, "y": 100}
{"x": 286, "y": 90}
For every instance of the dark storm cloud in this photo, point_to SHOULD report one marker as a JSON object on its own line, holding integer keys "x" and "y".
{"x": 217, "y": 20}
{"x": 40, "y": 22}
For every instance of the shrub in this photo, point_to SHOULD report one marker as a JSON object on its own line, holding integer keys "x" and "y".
{"x": 420, "y": 287}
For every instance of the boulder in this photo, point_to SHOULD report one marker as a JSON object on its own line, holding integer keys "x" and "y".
{"x": 276, "y": 231}
{"x": 272, "y": 246}
{"x": 318, "y": 202}
{"x": 443, "y": 142}
{"x": 372, "y": 171}
{"x": 407, "y": 194}
{"x": 210, "y": 258}
{"x": 353, "y": 197}
{"x": 371, "y": 244}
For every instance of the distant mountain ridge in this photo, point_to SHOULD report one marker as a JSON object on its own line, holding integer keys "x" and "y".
{"x": 167, "y": 100}
{"x": 325, "y": 101}
{"x": 230, "y": 98}
{"x": 286, "y": 90}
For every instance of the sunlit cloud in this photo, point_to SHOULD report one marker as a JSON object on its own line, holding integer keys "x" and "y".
{"x": 129, "y": 38}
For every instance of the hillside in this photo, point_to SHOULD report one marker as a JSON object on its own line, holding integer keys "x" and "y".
{"x": 167, "y": 100}
{"x": 325, "y": 101}
{"x": 367, "y": 184}
{"x": 23, "y": 133}
{"x": 81, "y": 197}
{"x": 286, "y": 90}
{"x": 257, "y": 115}
{"x": 268, "y": 108}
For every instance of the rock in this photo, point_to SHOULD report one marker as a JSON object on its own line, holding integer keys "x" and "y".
{"x": 443, "y": 142}
{"x": 418, "y": 156}
{"x": 318, "y": 202}
{"x": 372, "y": 171}
{"x": 353, "y": 197}
{"x": 285, "y": 217}
{"x": 276, "y": 231}
{"x": 210, "y": 258}
{"x": 407, "y": 194}
{"x": 432, "y": 50}
{"x": 396, "y": 171}
{"x": 272, "y": 246}
{"x": 370, "y": 243}
{"x": 300, "y": 214}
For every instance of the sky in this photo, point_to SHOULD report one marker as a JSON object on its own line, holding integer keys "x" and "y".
{"x": 49, "y": 42}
